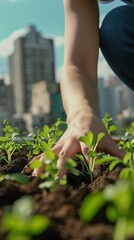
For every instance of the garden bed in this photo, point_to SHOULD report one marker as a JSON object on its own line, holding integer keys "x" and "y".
{"x": 61, "y": 204}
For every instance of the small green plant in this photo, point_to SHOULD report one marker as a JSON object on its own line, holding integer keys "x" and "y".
{"x": 119, "y": 202}
{"x": 119, "y": 197}
{"x": 50, "y": 170}
{"x": 49, "y": 161}
{"x": 130, "y": 130}
{"x": 108, "y": 123}
{"x": 17, "y": 177}
{"x": 7, "y": 142}
{"x": 48, "y": 135}
{"x": 92, "y": 142}
{"x": 20, "y": 221}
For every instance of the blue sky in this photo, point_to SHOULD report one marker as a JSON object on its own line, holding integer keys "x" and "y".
{"x": 47, "y": 15}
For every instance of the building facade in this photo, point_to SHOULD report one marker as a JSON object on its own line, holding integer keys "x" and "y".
{"x": 46, "y": 103}
{"x": 116, "y": 99}
{"x": 6, "y": 103}
{"x": 31, "y": 61}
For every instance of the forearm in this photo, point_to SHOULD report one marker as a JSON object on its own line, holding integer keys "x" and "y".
{"x": 79, "y": 76}
{"x": 79, "y": 93}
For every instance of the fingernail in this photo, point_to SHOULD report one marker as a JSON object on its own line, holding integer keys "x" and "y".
{"x": 26, "y": 169}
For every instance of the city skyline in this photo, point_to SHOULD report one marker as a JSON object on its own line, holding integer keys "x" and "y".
{"x": 47, "y": 16}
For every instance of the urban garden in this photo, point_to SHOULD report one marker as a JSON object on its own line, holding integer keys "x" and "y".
{"x": 81, "y": 205}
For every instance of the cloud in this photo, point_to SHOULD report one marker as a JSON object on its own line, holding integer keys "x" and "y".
{"x": 7, "y": 44}
{"x": 58, "y": 39}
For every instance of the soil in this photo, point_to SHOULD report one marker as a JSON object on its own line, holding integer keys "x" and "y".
{"x": 61, "y": 205}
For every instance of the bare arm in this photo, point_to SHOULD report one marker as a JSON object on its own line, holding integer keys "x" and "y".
{"x": 79, "y": 82}
{"x": 79, "y": 77}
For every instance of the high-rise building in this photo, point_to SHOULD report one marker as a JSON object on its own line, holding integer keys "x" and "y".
{"x": 31, "y": 62}
{"x": 6, "y": 104}
{"x": 46, "y": 103}
{"x": 115, "y": 98}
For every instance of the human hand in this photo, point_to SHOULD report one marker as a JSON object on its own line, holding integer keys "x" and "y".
{"x": 69, "y": 144}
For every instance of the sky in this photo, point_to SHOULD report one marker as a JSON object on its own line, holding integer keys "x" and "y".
{"x": 48, "y": 17}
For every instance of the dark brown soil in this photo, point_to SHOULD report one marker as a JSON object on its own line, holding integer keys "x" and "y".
{"x": 62, "y": 205}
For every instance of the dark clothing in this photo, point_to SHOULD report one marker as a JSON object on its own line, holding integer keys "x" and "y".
{"x": 117, "y": 42}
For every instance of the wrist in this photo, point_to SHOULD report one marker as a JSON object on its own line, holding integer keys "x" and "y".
{"x": 81, "y": 115}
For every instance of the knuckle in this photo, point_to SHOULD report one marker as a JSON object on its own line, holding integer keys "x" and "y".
{"x": 62, "y": 154}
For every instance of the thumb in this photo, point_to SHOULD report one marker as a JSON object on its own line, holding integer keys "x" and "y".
{"x": 112, "y": 148}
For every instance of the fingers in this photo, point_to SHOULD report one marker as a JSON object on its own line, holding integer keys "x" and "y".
{"x": 112, "y": 148}
{"x": 69, "y": 149}
{"x": 27, "y": 168}
{"x": 41, "y": 169}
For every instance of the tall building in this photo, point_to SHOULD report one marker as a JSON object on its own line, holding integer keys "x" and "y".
{"x": 115, "y": 98}
{"x": 6, "y": 104}
{"x": 46, "y": 103}
{"x": 31, "y": 61}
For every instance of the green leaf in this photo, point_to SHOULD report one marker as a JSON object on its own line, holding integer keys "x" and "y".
{"x": 130, "y": 227}
{"x": 91, "y": 205}
{"x": 90, "y": 138}
{"x": 79, "y": 156}
{"x": 20, "y": 178}
{"x": 112, "y": 128}
{"x": 35, "y": 164}
{"x": 14, "y": 223}
{"x": 127, "y": 157}
{"x": 50, "y": 154}
{"x": 46, "y": 129}
{"x": 74, "y": 171}
{"x": 38, "y": 224}
{"x": 120, "y": 229}
{"x": 36, "y": 151}
{"x": 124, "y": 174}
{"x": 114, "y": 164}
{"x": 91, "y": 154}
{"x": 63, "y": 181}
{"x": 112, "y": 214}
{"x": 44, "y": 145}
{"x": 100, "y": 136}
{"x": 105, "y": 159}
{"x": 84, "y": 139}
{"x": 4, "y": 139}
{"x": 71, "y": 162}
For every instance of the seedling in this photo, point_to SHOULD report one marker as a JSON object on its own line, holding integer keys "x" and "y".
{"x": 7, "y": 142}
{"x": 108, "y": 123}
{"x": 48, "y": 135}
{"x": 20, "y": 221}
{"x": 119, "y": 199}
{"x": 92, "y": 142}
{"x": 17, "y": 177}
